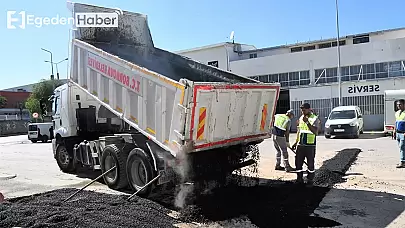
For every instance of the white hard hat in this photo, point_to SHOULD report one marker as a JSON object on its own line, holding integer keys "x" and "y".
{"x": 290, "y": 111}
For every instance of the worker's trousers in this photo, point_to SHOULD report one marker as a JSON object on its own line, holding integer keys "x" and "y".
{"x": 302, "y": 153}
{"x": 280, "y": 143}
{"x": 401, "y": 144}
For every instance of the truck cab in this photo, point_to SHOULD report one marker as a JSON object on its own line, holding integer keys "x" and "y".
{"x": 390, "y": 107}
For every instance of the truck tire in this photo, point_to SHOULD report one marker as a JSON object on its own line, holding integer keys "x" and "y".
{"x": 33, "y": 141}
{"x": 64, "y": 160}
{"x": 112, "y": 156}
{"x": 140, "y": 171}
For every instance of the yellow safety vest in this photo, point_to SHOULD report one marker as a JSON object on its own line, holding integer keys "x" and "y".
{"x": 400, "y": 121}
{"x": 281, "y": 121}
{"x": 400, "y": 116}
{"x": 306, "y": 137}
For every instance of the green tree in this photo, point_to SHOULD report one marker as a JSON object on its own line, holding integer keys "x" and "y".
{"x": 3, "y": 102}
{"x": 40, "y": 95}
{"x": 32, "y": 104}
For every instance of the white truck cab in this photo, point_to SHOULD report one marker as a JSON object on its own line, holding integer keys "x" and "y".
{"x": 390, "y": 107}
{"x": 344, "y": 121}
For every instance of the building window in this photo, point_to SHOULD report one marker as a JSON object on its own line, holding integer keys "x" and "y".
{"x": 381, "y": 70}
{"x": 294, "y": 78}
{"x": 345, "y": 73}
{"x": 304, "y": 77}
{"x": 331, "y": 75}
{"x": 307, "y": 48}
{"x": 213, "y": 63}
{"x": 283, "y": 79}
{"x": 273, "y": 78}
{"x": 296, "y": 49}
{"x": 264, "y": 78}
{"x": 324, "y": 45}
{"x": 395, "y": 69}
{"x": 320, "y": 76}
{"x": 253, "y": 55}
{"x": 341, "y": 43}
{"x": 368, "y": 71}
{"x": 354, "y": 72}
{"x": 361, "y": 39}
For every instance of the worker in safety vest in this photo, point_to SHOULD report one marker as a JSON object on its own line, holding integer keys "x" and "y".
{"x": 305, "y": 144}
{"x": 399, "y": 130}
{"x": 281, "y": 136}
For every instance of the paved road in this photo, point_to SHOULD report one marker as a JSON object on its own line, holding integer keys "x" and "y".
{"x": 35, "y": 169}
{"x": 373, "y": 195}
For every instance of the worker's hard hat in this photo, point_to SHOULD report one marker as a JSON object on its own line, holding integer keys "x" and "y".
{"x": 290, "y": 112}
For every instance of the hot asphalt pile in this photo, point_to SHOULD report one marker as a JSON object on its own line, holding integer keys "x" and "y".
{"x": 275, "y": 204}
{"x": 332, "y": 170}
{"x": 87, "y": 209}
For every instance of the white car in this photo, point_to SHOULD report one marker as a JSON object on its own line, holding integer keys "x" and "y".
{"x": 344, "y": 121}
{"x": 40, "y": 132}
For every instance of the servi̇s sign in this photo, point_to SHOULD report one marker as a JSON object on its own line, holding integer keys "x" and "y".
{"x": 356, "y": 89}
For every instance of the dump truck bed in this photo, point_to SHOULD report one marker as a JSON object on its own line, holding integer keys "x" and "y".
{"x": 181, "y": 104}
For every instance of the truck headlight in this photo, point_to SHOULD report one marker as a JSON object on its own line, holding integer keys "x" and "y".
{"x": 327, "y": 125}
{"x": 353, "y": 124}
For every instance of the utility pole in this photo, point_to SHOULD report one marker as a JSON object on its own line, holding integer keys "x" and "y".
{"x": 56, "y": 64}
{"x": 52, "y": 76}
{"x": 338, "y": 54}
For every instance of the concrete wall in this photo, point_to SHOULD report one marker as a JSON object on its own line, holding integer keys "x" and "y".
{"x": 13, "y": 127}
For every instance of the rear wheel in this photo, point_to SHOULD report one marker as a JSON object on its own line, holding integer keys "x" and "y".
{"x": 33, "y": 141}
{"x": 140, "y": 171}
{"x": 112, "y": 156}
{"x": 64, "y": 160}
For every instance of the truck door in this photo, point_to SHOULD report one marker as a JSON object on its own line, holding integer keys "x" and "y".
{"x": 56, "y": 111}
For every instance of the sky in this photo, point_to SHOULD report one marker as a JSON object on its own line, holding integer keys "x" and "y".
{"x": 182, "y": 24}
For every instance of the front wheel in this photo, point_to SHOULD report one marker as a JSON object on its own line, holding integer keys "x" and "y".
{"x": 327, "y": 136}
{"x": 139, "y": 171}
{"x": 64, "y": 160}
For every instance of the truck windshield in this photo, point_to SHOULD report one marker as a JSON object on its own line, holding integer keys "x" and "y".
{"x": 346, "y": 114}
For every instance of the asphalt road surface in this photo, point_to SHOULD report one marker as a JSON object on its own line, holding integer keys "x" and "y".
{"x": 372, "y": 196}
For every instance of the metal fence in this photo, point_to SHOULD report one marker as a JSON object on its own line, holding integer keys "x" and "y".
{"x": 372, "y": 108}
{"x": 14, "y": 117}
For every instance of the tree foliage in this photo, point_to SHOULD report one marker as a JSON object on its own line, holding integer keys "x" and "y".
{"x": 3, "y": 102}
{"x": 40, "y": 95}
{"x": 32, "y": 105}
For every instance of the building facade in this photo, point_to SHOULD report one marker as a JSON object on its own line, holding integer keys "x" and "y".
{"x": 370, "y": 64}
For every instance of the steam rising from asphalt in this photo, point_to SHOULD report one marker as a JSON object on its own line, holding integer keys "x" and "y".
{"x": 182, "y": 169}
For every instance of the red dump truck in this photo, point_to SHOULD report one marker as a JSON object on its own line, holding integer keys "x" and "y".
{"x": 152, "y": 114}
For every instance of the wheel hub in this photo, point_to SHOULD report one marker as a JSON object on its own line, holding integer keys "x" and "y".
{"x": 138, "y": 170}
{"x": 109, "y": 163}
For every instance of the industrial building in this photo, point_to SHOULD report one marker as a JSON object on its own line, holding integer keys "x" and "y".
{"x": 370, "y": 64}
